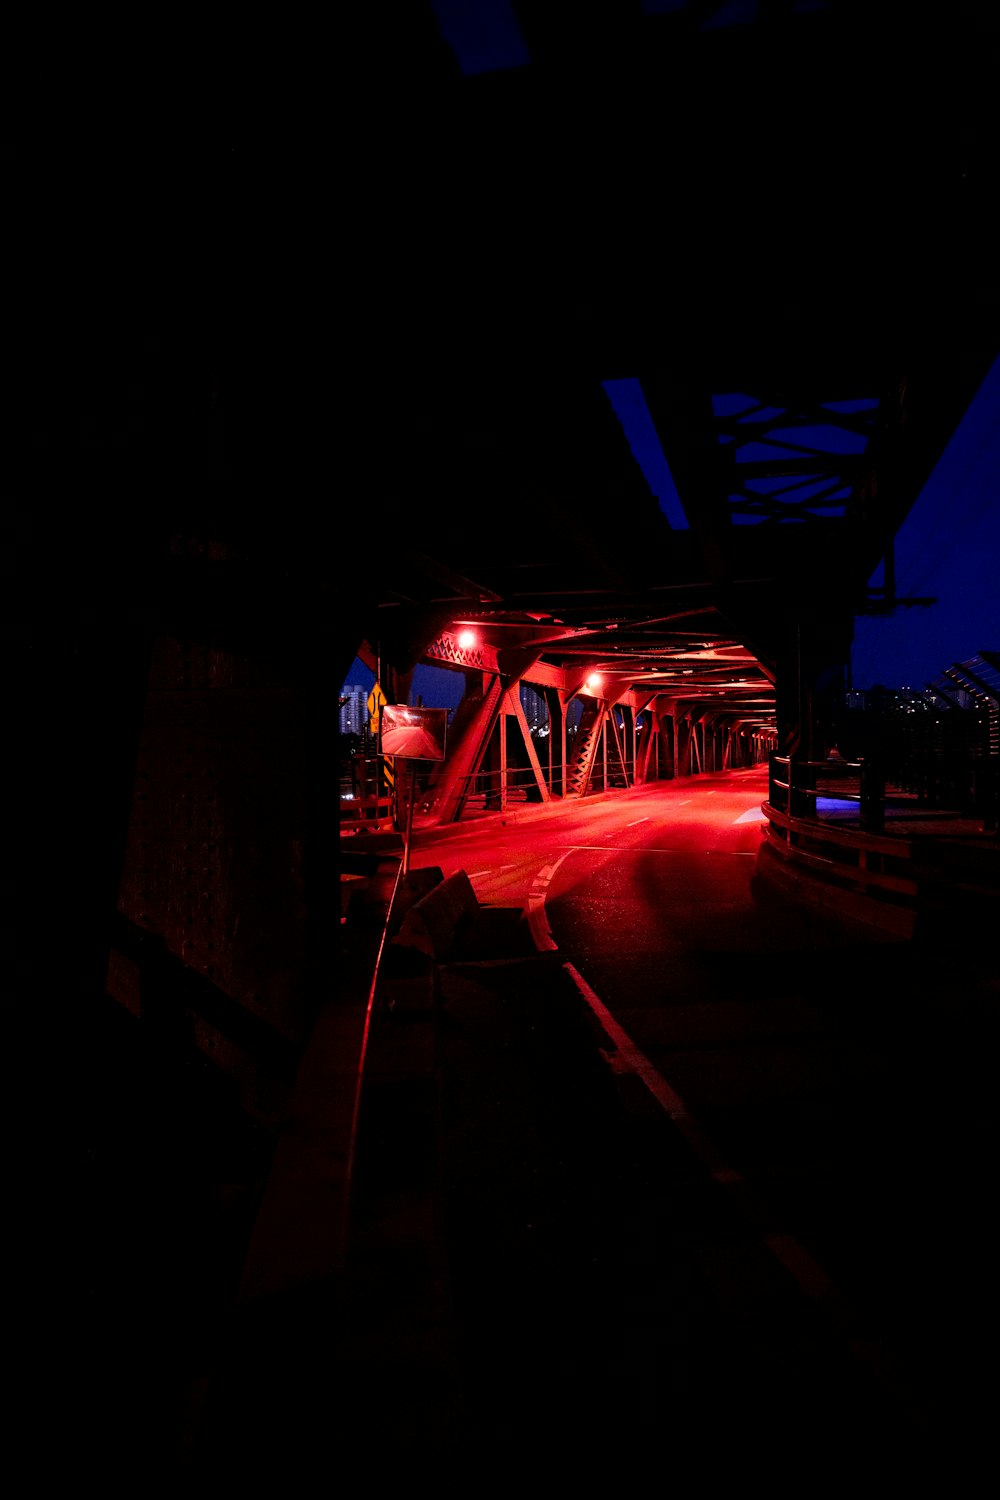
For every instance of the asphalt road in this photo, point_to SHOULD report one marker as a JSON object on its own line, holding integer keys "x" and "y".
{"x": 816, "y": 1097}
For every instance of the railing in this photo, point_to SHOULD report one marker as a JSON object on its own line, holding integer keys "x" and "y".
{"x": 796, "y": 787}
{"x": 491, "y": 791}
{"x": 879, "y": 786}
{"x": 494, "y": 791}
{"x": 368, "y": 804}
{"x": 365, "y": 796}
{"x": 848, "y": 860}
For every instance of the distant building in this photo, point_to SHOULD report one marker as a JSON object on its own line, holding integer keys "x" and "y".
{"x": 535, "y": 709}
{"x": 353, "y": 709}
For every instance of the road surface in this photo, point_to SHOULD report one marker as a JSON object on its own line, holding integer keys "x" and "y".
{"x": 828, "y": 1084}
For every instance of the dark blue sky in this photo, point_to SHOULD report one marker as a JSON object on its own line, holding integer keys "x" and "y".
{"x": 949, "y": 549}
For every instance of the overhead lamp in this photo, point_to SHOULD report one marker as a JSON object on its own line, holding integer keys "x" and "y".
{"x": 594, "y": 681}
{"x": 467, "y": 639}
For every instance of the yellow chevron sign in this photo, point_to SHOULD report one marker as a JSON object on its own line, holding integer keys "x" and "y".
{"x": 376, "y": 703}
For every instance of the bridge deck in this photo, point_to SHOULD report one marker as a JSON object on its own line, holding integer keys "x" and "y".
{"x": 541, "y": 1268}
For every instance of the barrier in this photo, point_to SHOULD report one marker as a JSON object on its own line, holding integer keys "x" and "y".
{"x": 896, "y": 881}
{"x": 449, "y": 925}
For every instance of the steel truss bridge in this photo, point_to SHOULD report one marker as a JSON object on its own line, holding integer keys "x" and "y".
{"x": 666, "y": 323}
{"x": 629, "y": 349}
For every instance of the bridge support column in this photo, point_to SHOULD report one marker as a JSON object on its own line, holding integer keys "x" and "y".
{"x": 682, "y": 744}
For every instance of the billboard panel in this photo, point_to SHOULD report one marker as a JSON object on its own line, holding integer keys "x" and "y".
{"x": 414, "y": 733}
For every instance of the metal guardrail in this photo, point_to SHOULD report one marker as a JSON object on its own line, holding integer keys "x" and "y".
{"x": 887, "y": 877}
{"x": 368, "y": 802}
{"x": 879, "y": 786}
{"x": 795, "y": 786}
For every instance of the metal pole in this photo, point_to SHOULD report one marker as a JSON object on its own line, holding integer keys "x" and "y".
{"x": 409, "y": 818}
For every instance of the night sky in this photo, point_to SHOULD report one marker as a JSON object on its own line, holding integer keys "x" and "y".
{"x": 948, "y": 549}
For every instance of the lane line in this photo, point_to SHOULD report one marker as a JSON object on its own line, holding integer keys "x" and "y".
{"x": 538, "y": 922}
{"x": 651, "y": 849}
{"x": 806, "y": 1272}
{"x": 880, "y": 1361}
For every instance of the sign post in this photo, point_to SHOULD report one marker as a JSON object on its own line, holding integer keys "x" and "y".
{"x": 409, "y": 818}
{"x": 412, "y": 734}
{"x": 376, "y": 703}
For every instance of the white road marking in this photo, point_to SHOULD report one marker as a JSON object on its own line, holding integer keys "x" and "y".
{"x": 538, "y": 921}
{"x": 603, "y": 849}
{"x": 752, "y": 815}
{"x": 627, "y": 1058}
{"x": 657, "y": 849}
{"x": 806, "y": 1272}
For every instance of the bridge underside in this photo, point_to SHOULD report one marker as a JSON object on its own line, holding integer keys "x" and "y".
{"x": 632, "y": 357}
{"x": 663, "y": 334}
{"x": 590, "y": 730}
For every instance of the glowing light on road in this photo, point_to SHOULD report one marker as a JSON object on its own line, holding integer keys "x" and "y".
{"x": 752, "y": 815}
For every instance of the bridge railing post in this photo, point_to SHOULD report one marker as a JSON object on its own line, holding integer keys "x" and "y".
{"x": 779, "y": 782}
{"x": 872, "y": 795}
